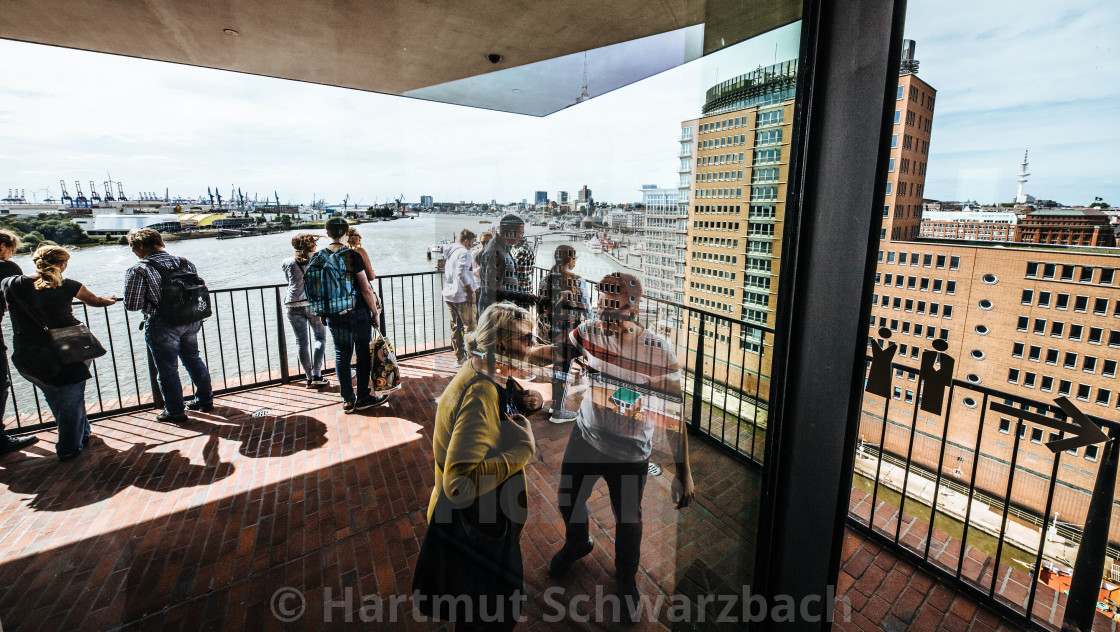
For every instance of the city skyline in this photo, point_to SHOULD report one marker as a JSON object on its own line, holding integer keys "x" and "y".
{"x": 75, "y": 115}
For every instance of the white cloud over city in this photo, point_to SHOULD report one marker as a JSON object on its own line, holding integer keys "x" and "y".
{"x": 1008, "y": 75}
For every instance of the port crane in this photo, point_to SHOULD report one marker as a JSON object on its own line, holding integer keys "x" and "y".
{"x": 94, "y": 196}
{"x": 219, "y": 195}
{"x": 120, "y": 193}
{"x": 211, "y": 196}
{"x": 65, "y": 195}
{"x": 81, "y": 200}
{"x": 346, "y": 202}
{"x": 108, "y": 192}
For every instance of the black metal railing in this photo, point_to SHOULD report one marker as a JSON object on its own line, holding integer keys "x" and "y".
{"x": 974, "y": 495}
{"x": 246, "y": 343}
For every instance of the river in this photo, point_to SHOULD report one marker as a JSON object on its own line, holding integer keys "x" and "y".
{"x": 239, "y": 342}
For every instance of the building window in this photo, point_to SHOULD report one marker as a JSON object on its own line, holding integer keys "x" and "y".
{"x": 1028, "y": 379}
{"x": 1028, "y": 297}
{"x": 1035, "y": 353}
{"x": 1036, "y": 435}
{"x": 1017, "y": 350}
{"x": 1104, "y": 396}
{"x": 1083, "y": 392}
{"x": 1091, "y": 452}
{"x": 1089, "y": 364}
{"x": 1100, "y": 306}
{"x": 1081, "y": 304}
{"x": 1106, "y": 276}
{"x": 1095, "y": 334}
{"x": 1062, "y": 302}
{"x": 1005, "y": 425}
{"x": 1040, "y": 326}
{"x": 1057, "y": 329}
{"x": 1047, "y": 383}
{"x": 1075, "y": 332}
{"x": 1032, "y": 269}
{"x": 1052, "y": 356}
{"x": 1086, "y": 275}
{"x": 1108, "y": 368}
{"x": 1044, "y": 299}
{"x": 1064, "y": 386}
{"x": 1023, "y": 323}
{"x": 1070, "y": 361}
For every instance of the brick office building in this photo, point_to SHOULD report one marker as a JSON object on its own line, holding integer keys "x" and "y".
{"x": 1072, "y": 226}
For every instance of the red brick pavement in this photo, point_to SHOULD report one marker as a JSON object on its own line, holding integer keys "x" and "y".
{"x": 198, "y": 527}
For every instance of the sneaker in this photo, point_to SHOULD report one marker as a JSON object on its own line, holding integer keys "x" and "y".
{"x": 68, "y": 457}
{"x": 317, "y": 381}
{"x": 12, "y": 444}
{"x": 167, "y": 418}
{"x": 202, "y": 407}
{"x": 563, "y": 416}
{"x": 371, "y": 401}
{"x": 348, "y": 407}
{"x": 564, "y": 559}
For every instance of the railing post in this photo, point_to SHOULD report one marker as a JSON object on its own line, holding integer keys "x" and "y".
{"x": 281, "y": 340}
{"x": 698, "y": 378}
{"x": 157, "y": 396}
{"x": 381, "y": 316}
{"x": 1085, "y": 585}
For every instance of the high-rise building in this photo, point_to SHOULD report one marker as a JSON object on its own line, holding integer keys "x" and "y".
{"x": 426, "y": 201}
{"x": 540, "y": 198}
{"x": 562, "y": 197}
{"x": 662, "y": 244}
{"x": 736, "y": 212}
{"x": 906, "y": 169}
{"x": 584, "y": 194}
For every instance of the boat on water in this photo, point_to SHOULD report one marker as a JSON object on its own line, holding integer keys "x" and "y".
{"x": 594, "y": 245}
{"x": 485, "y": 221}
{"x": 437, "y": 248}
{"x": 554, "y": 226}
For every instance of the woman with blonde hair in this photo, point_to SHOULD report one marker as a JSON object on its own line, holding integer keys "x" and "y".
{"x": 40, "y": 301}
{"x": 354, "y": 242}
{"x": 300, "y": 316}
{"x": 480, "y": 452}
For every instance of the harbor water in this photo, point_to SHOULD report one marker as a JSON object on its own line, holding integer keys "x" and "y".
{"x": 239, "y": 343}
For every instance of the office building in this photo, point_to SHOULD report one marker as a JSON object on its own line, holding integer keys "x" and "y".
{"x": 540, "y": 198}
{"x": 663, "y": 244}
{"x": 426, "y": 201}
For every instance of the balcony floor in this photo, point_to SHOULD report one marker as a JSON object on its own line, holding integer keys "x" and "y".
{"x": 197, "y": 527}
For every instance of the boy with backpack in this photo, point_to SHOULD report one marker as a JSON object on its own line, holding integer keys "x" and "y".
{"x": 174, "y": 300}
{"x": 339, "y": 292}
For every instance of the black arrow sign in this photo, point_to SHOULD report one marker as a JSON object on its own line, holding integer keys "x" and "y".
{"x": 1083, "y": 431}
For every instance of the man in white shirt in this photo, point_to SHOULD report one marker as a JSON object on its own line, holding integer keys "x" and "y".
{"x": 459, "y": 286}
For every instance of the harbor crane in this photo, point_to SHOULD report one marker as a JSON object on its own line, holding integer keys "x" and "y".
{"x": 109, "y": 192}
{"x": 277, "y": 197}
{"x": 211, "y": 196}
{"x": 94, "y": 196}
{"x": 120, "y": 193}
{"x": 218, "y": 193}
{"x": 65, "y": 195}
{"x": 81, "y": 199}
{"x": 346, "y": 202}
{"x": 240, "y": 199}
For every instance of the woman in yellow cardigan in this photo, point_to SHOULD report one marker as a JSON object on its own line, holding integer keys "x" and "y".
{"x": 480, "y": 453}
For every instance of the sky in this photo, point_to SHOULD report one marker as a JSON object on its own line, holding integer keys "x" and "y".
{"x": 1009, "y": 76}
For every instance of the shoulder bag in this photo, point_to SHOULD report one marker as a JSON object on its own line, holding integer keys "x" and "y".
{"x": 75, "y": 343}
{"x": 471, "y": 557}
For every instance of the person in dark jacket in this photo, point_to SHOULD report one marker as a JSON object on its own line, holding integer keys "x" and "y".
{"x": 44, "y": 299}
{"x": 9, "y": 242}
{"x": 498, "y": 280}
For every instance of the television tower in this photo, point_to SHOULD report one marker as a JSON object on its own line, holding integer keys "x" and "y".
{"x": 1019, "y": 197}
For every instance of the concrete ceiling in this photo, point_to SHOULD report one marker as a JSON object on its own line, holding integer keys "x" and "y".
{"x": 390, "y": 46}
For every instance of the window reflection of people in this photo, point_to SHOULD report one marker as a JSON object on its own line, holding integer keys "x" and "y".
{"x": 635, "y": 384}
{"x": 564, "y": 304}
{"x": 480, "y": 449}
{"x": 459, "y": 287}
{"x": 498, "y": 279}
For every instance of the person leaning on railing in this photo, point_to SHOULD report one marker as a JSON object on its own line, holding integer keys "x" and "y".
{"x": 166, "y": 341}
{"x": 9, "y": 242}
{"x": 354, "y": 242}
{"x": 48, "y": 297}
{"x": 300, "y": 316}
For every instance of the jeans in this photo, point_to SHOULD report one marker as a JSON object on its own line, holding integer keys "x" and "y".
{"x": 463, "y": 321}
{"x": 68, "y": 405}
{"x": 305, "y": 322}
{"x": 168, "y": 344}
{"x": 583, "y": 465}
{"x": 352, "y": 332}
{"x": 5, "y": 386}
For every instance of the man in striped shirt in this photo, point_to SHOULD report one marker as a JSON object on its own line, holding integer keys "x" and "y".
{"x": 634, "y": 387}
{"x": 168, "y": 343}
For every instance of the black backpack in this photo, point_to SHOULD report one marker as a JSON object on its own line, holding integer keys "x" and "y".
{"x": 183, "y": 297}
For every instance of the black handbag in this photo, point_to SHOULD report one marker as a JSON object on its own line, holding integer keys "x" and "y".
{"x": 469, "y": 567}
{"x": 74, "y": 343}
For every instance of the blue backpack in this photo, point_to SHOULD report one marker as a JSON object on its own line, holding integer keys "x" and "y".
{"x": 329, "y": 283}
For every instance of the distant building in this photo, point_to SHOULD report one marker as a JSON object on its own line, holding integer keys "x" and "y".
{"x": 1070, "y": 226}
{"x": 906, "y": 168}
{"x": 562, "y": 197}
{"x": 114, "y": 225}
{"x": 426, "y": 201}
{"x": 584, "y": 194}
{"x": 664, "y": 245}
{"x": 969, "y": 225}
{"x": 540, "y": 198}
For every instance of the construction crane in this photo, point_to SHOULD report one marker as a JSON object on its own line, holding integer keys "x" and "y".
{"x": 94, "y": 196}
{"x": 65, "y": 196}
{"x": 81, "y": 200}
{"x": 120, "y": 193}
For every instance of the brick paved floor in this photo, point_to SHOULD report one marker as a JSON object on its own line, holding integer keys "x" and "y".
{"x": 197, "y": 527}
